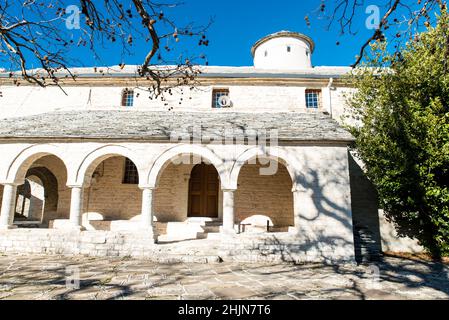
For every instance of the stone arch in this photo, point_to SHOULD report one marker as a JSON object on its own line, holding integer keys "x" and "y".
{"x": 18, "y": 169}
{"x": 263, "y": 193}
{"x": 275, "y": 154}
{"x": 94, "y": 158}
{"x": 187, "y": 149}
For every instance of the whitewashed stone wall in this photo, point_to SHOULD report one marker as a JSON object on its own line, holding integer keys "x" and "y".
{"x": 22, "y": 101}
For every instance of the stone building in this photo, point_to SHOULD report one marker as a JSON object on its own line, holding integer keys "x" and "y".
{"x": 252, "y": 159}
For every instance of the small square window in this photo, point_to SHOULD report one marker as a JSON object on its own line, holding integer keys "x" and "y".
{"x": 127, "y": 98}
{"x": 313, "y": 99}
{"x": 220, "y": 98}
{"x": 131, "y": 175}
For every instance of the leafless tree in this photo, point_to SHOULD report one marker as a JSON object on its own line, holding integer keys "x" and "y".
{"x": 35, "y": 33}
{"x": 402, "y": 17}
{"x": 40, "y": 32}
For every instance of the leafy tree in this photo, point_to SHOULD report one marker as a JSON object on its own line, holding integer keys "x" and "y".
{"x": 400, "y": 118}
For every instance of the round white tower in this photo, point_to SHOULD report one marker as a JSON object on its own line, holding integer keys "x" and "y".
{"x": 283, "y": 50}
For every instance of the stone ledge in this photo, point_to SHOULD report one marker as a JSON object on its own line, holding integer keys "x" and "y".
{"x": 140, "y": 245}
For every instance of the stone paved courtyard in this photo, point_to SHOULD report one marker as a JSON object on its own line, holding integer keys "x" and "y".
{"x": 45, "y": 277}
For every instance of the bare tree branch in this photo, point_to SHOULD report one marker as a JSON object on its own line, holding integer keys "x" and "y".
{"x": 34, "y": 32}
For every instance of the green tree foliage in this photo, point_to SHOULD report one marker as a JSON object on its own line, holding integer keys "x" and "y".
{"x": 400, "y": 118}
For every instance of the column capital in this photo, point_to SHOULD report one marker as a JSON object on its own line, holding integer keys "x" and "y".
{"x": 146, "y": 187}
{"x": 12, "y": 184}
{"x": 73, "y": 186}
{"x": 228, "y": 190}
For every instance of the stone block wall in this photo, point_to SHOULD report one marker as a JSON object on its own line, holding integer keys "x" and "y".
{"x": 93, "y": 243}
{"x": 270, "y": 248}
{"x": 109, "y": 196}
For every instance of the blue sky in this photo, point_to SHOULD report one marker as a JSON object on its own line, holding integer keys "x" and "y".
{"x": 238, "y": 24}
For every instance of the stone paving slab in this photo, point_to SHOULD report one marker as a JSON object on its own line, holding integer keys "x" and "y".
{"x": 37, "y": 277}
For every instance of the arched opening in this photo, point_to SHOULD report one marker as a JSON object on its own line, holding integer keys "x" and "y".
{"x": 264, "y": 199}
{"x": 187, "y": 201}
{"x": 38, "y": 199}
{"x": 112, "y": 193}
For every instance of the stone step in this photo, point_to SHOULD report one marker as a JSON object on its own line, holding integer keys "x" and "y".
{"x": 205, "y": 235}
{"x": 191, "y": 229}
{"x": 211, "y": 229}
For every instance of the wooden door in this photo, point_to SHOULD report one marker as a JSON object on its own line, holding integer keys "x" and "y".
{"x": 203, "y": 191}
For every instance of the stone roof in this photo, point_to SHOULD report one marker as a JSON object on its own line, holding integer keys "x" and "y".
{"x": 206, "y": 72}
{"x": 150, "y": 125}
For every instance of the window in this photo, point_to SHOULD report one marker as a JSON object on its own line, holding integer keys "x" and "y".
{"x": 289, "y": 49}
{"x": 220, "y": 98}
{"x": 131, "y": 175}
{"x": 313, "y": 98}
{"x": 127, "y": 98}
{"x": 266, "y": 53}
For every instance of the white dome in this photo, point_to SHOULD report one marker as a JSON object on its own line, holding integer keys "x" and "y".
{"x": 284, "y": 50}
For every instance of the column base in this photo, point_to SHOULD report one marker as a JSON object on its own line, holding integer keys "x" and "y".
{"x": 232, "y": 232}
{"x": 66, "y": 224}
{"x": 73, "y": 228}
{"x": 149, "y": 232}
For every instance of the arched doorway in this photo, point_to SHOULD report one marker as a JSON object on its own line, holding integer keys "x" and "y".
{"x": 203, "y": 191}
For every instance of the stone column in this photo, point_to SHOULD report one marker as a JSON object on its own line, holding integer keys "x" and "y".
{"x": 146, "y": 220}
{"x": 228, "y": 211}
{"x": 8, "y": 206}
{"x": 76, "y": 207}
